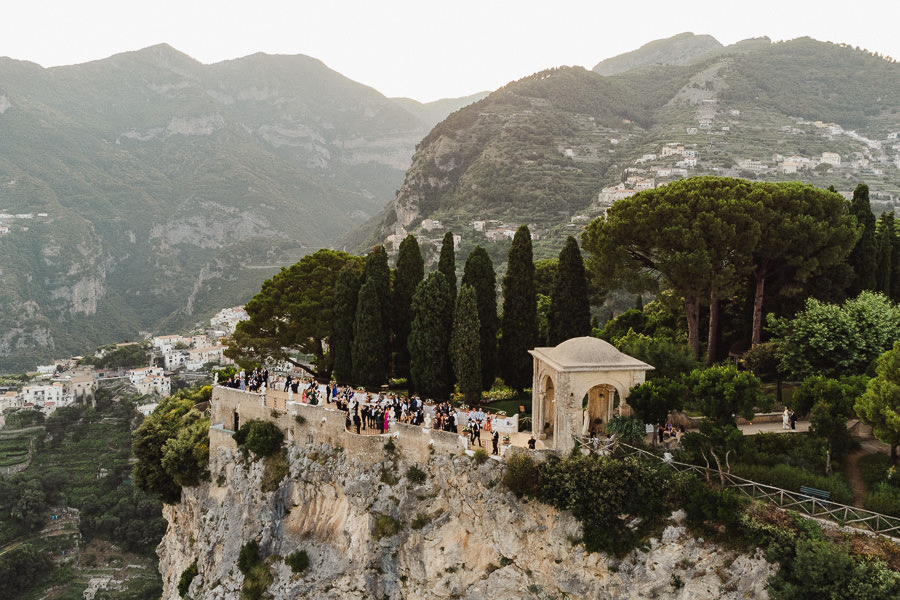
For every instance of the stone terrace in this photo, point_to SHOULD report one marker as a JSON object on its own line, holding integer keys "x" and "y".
{"x": 231, "y": 408}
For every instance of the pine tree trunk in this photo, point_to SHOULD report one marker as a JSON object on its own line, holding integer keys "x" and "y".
{"x": 713, "y": 334}
{"x": 828, "y": 461}
{"x": 756, "y": 335}
{"x": 692, "y": 311}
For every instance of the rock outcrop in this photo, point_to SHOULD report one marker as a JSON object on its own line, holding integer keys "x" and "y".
{"x": 370, "y": 532}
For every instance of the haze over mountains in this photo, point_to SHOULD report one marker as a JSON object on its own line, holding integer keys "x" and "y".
{"x": 145, "y": 191}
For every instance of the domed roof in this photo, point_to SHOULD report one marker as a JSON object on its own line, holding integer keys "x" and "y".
{"x": 589, "y": 352}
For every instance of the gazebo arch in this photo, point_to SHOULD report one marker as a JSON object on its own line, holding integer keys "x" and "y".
{"x": 570, "y": 371}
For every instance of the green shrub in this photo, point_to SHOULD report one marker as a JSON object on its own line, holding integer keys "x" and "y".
{"x": 385, "y": 526}
{"x": 521, "y": 475}
{"x": 420, "y": 521}
{"x": 297, "y": 561}
{"x": 416, "y": 476}
{"x": 256, "y": 582}
{"x": 248, "y": 557}
{"x": 276, "y": 469}
{"x": 821, "y": 569}
{"x": 257, "y": 576}
{"x": 605, "y": 494}
{"x": 708, "y": 505}
{"x": 389, "y": 446}
{"x": 262, "y": 438}
{"x": 770, "y": 449}
{"x": 480, "y": 456}
{"x": 874, "y": 468}
{"x": 301, "y": 420}
{"x": 499, "y": 392}
{"x": 187, "y": 576}
{"x": 884, "y": 499}
{"x": 791, "y": 478}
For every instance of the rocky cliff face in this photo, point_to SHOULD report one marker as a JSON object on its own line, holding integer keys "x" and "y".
{"x": 371, "y": 533}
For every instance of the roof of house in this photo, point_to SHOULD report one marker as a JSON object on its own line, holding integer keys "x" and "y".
{"x": 589, "y": 353}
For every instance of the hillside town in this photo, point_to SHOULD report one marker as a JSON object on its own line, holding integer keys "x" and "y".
{"x": 674, "y": 160}
{"x": 75, "y": 380}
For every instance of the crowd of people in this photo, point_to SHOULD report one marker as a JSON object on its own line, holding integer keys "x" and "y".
{"x": 372, "y": 413}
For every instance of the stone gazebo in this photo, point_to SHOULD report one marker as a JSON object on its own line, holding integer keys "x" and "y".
{"x": 574, "y": 388}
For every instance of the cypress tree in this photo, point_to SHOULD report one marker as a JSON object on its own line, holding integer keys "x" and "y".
{"x": 370, "y": 364}
{"x": 570, "y": 310}
{"x": 372, "y": 329}
{"x": 862, "y": 257}
{"x": 519, "y": 323}
{"x": 465, "y": 342}
{"x": 409, "y": 272}
{"x": 346, "y": 296}
{"x": 447, "y": 263}
{"x": 891, "y": 225}
{"x": 479, "y": 273}
{"x": 884, "y": 242}
{"x": 377, "y": 269}
{"x": 429, "y": 337}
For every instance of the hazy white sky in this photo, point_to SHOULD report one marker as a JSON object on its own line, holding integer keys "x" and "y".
{"x": 425, "y": 49}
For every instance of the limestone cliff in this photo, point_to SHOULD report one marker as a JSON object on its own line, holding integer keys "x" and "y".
{"x": 461, "y": 535}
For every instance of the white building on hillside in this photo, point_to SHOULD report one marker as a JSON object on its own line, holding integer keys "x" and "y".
{"x": 150, "y": 380}
{"x": 45, "y": 398}
{"x": 228, "y": 318}
{"x": 832, "y": 158}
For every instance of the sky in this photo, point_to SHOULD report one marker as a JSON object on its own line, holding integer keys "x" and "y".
{"x": 425, "y": 49}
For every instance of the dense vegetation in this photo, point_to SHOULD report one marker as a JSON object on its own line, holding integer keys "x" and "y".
{"x": 80, "y": 459}
{"x": 171, "y": 446}
{"x": 790, "y": 77}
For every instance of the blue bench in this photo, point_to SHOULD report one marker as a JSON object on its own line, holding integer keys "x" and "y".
{"x": 813, "y": 492}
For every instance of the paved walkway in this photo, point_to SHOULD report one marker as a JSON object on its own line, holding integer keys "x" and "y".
{"x": 752, "y": 429}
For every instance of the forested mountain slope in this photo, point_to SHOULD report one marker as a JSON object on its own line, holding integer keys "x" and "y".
{"x": 551, "y": 148}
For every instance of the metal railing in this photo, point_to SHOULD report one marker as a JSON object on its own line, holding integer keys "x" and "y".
{"x": 841, "y": 514}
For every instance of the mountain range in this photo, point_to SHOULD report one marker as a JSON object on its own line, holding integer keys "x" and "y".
{"x": 556, "y": 148}
{"x": 146, "y": 191}
{"x": 143, "y": 192}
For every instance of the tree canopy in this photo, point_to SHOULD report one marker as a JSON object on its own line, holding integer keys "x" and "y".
{"x": 722, "y": 393}
{"x": 570, "y": 310}
{"x": 879, "y": 406}
{"x": 805, "y": 231}
{"x": 479, "y": 273}
{"x": 863, "y": 255}
{"x": 171, "y": 446}
{"x": 370, "y": 338}
{"x": 465, "y": 351}
{"x": 706, "y": 237}
{"x": 836, "y": 340}
{"x": 447, "y": 263}
{"x": 293, "y": 312}
{"x": 694, "y": 234}
{"x": 346, "y": 296}
{"x": 653, "y": 400}
{"x": 519, "y": 322}
{"x": 429, "y": 338}
{"x": 409, "y": 272}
